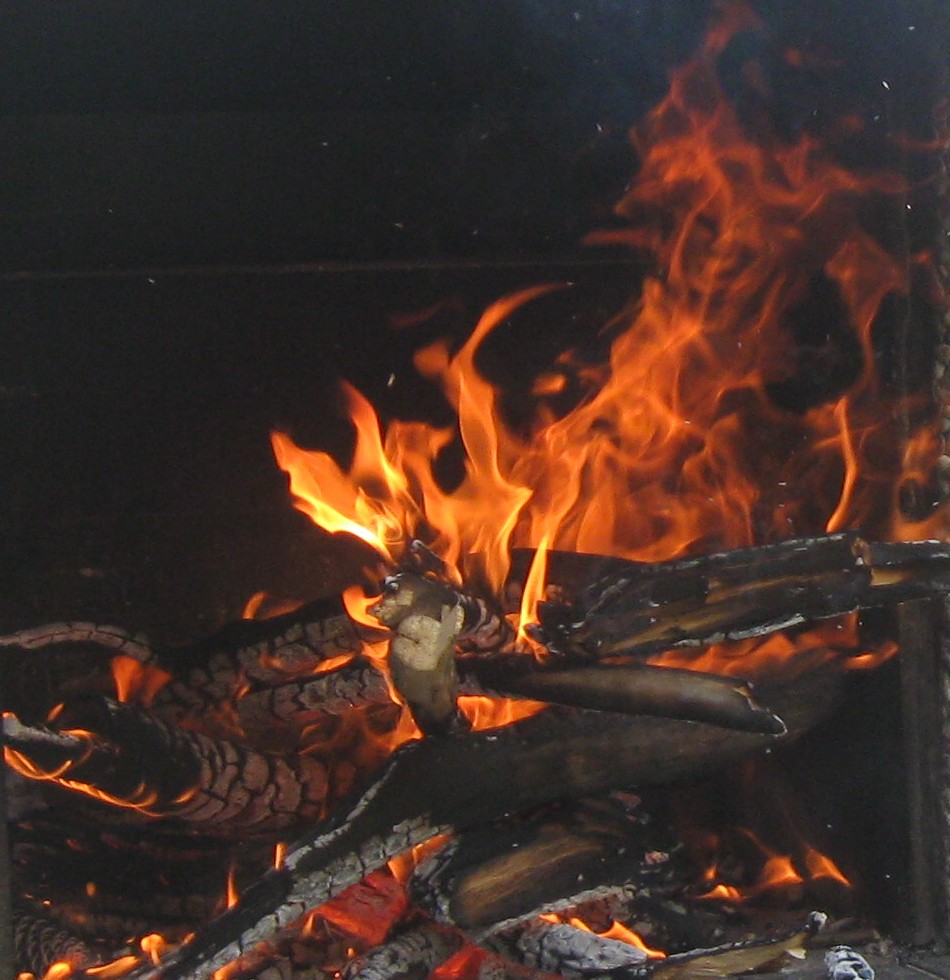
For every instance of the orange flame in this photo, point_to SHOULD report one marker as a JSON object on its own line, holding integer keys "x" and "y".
{"x": 679, "y": 443}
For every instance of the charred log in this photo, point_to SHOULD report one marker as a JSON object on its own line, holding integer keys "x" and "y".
{"x": 410, "y": 956}
{"x": 459, "y": 781}
{"x": 39, "y": 942}
{"x": 635, "y": 689}
{"x": 255, "y": 655}
{"x": 490, "y": 878}
{"x": 125, "y": 756}
{"x": 643, "y": 608}
{"x": 609, "y": 607}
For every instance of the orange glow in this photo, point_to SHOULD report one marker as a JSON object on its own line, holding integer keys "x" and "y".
{"x": 58, "y": 971}
{"x": 820, "y": 866}
{"x": 135, "y": 682}
{"x": 624, "y": 935}
{"x": 280, "y": 852}
{"x": 231, "y": 895}
{"x": 483, "y": 712}
{"x": 154, "y": 946}
{"x": 777, "y": 872}
{"x": 679, "y": 443}
{"x": 262, "y": 605}
{"x": 402, "y": 866}
{"x": 117, "y": 968}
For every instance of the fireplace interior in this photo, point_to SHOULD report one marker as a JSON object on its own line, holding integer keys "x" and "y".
{"x": 214, "y": 217}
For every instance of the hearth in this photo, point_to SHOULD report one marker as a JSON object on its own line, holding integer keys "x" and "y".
{"x": 513, "y": 541}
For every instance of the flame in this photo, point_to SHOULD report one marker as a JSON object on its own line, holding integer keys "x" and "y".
{"x": 622, "y": 934}
{"x": 135, "y": 682}
{"x": 681, "y": 442}
{"x": 778, "y": 871}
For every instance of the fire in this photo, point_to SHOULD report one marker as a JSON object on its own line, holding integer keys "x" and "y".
{"x": 694, "y": 435}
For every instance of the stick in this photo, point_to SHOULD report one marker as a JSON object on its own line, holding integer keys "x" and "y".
{"x": 637, "y": 689}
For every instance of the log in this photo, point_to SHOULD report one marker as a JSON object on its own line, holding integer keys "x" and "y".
{"x": 410, "y": 956}
{"x": 253, "y": 655}
{"x": 443, "y": 785}
{"x": 635, "y": 689}
{"x": 563, "y": 949}
{"x": 491, "y": 878}
{"x": 644, "y": 608}
{"x": 38, "y": 942}
{"x": 608, "y": 607}
{"x": 127, "y": 757}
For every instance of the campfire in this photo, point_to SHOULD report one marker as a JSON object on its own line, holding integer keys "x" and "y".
{"x": 593, "y": 607}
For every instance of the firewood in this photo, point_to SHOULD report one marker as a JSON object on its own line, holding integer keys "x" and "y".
{"x": 251, "y": 656}
{"x": 108, "y": 640}
{"x": 122, "y": 755}
{"x": 608, "y": 607}
{"x": 635, "y": 689}
{"x": 567, "y": 951}
{"x": 426, "y": 620}
{"x": 438, "y": 786}
{"x": 38, "y": 942}
{"x": 490, "y": 878}
{"x": 410, "y": 956}
{"x": 737, "y": 958}
{"x": 642, "y": 608}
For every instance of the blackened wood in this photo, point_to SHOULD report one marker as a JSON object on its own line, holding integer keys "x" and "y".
{"x": 437, "y": 786}
{"x": 492, "y": 878}
{"x": 303, "y": 700}
{"x": 639, "y": 689}
{"x": 647, "y": 607}
{"x": 131, "y": 758}
{"x": 109, "y": 640}
{"x": 45, "y": 664}
{"x": 39, "y": 942}
{"x": 251, "y": 655}
{"x": 637, "y": 609}
{"x": 410, "y": 956}
{"x": 923, "y": 688}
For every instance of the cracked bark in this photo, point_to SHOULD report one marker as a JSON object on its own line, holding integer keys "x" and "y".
{"x": 459, "y": 781}
{"x": 38, "y": 942}
{"x": 127, "y": 756}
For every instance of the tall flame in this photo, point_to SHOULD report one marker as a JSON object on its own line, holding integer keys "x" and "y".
{"x": 681, "y": 442}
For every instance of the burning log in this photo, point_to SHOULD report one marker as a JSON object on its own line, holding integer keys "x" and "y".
{"x": 120, "y": 754}
{"x": 489, "y": 879}
{"x": 642, "y": 608}
{"x": 39, "y": 943}
{"x": 251, "y": 656}
{"x": 642, "y": 689}
{"x": 608, "y": 607}
{"x": 438, "y": 786}
{"x": 410, "y": 956}
{"x": 563, "y": 949}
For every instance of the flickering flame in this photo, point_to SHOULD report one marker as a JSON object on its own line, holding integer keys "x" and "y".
{"x": 135, "y": 682}
{"x": 616, "y": 931}
{"x": 778, "y": 871}
{"x": 680, "y": 443}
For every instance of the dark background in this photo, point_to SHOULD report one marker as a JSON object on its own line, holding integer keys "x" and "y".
{"x": 209, "y": 212}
